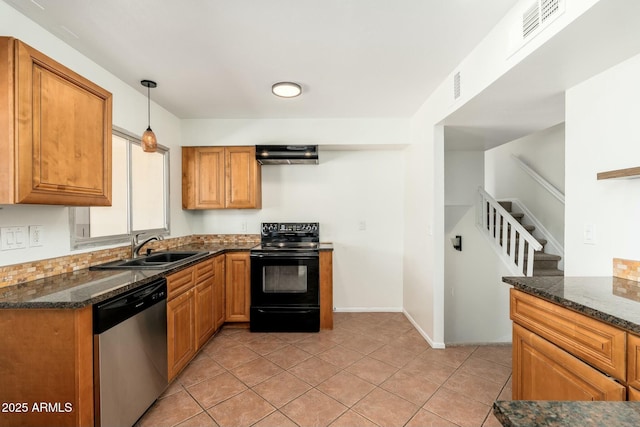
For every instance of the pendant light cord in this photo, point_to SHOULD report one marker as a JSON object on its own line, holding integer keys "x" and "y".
{"x": 149, "y": 107}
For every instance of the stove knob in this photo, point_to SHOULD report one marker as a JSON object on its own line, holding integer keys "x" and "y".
{"x": 314, "y": 227}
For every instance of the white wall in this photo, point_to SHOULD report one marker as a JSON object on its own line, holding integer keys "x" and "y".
{"x": 339, "y": 133}
{"x": 423, "y": 265}
{"x": 129, "y": 113}
{"x": 544, "y": 152}
{"x": 476, "y": 299}
{"x": 602, "y": 134}
{"x": 346, "y": 191}
{"x": 463, "y": 174}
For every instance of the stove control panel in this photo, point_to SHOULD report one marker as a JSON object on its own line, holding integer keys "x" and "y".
{"x": 290, "y": 227}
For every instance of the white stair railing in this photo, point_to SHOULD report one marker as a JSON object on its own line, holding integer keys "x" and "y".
{"x": 507, "y": 233}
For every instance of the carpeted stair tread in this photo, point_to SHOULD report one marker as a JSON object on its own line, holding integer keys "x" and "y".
{"x": 548, "y": 272}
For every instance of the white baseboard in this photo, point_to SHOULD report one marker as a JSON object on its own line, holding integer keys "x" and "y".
{"x": 423, "y": 333}
{"x": 368, "y": 309}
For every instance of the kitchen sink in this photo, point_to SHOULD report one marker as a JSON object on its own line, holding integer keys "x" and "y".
{"x": 158, "y": 260}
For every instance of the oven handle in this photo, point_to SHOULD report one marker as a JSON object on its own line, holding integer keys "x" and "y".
{"x": 284, "y": 311}
{"x": 305, "y": 255}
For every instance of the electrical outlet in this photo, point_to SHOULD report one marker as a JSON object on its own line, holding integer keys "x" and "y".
{"x": 243, "y": 226}
{"x": 36, "y": 236}
{"x": 362, "y": 225}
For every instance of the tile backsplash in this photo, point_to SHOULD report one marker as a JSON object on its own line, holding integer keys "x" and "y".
{"x": 626, "y": 269}
{"x": 33, "y": 270}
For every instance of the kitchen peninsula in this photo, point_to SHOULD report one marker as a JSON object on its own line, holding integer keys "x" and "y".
{"x": 576, "y": 340}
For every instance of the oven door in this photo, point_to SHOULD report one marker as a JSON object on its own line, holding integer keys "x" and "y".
{"x": 285, "y": 278}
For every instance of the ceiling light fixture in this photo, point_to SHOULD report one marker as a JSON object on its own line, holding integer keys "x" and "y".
{"x": 149, "y": 141}
{"x": 286, "y": 89}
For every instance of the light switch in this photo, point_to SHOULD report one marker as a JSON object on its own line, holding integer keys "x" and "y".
{"x": 589, "y": 234}
{"x": 13, "y": 238}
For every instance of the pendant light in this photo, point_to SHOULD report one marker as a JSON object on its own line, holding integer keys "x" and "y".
{"x": 149, "y": 141}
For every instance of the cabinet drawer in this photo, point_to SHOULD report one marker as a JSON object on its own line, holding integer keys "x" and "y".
{"x": 179, "y": 282}
{"x": 598, "y": 344}
{"x": 204, "y": 270}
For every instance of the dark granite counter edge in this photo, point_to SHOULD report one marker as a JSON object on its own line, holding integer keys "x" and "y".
{"x": 518, "y": 283}
{"x": 127, "y": 285}
{"x": 134, "y": 282}
{"x": 523, "y": 413}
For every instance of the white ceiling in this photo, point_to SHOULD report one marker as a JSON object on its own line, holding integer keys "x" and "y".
{"x": 531, "y": 96}
{"x": 219, "y": 58}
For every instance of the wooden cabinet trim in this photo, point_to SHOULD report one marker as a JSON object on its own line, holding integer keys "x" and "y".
{"x": 598, "y": 344}
{"x": 543, "y": 371}
{"x": 326, "y": 290}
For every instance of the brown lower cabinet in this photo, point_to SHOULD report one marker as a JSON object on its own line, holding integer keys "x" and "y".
{"x": 181, "y": 335}
{"x": 46, "y": 367}
{"x": 219, "y": 291}
{"x": 560, "y": 354}
{"x": 238, "y": 287}
{"x": 543, "y": 371}
{"x": 191, "y": 311}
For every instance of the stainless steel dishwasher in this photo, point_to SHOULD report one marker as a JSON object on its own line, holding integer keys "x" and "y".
{"x": 130, "y": 353}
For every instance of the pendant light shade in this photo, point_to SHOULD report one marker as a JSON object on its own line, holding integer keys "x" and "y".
{"x": 149, "y": 141}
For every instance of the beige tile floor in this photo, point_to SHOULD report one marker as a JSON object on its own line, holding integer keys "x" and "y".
{"x": 372, "y": 369}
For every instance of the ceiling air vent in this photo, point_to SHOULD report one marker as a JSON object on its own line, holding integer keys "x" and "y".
{"x": 530, "y": 20}
{"x": 539, "y": 13}
{"x": 456, "y": 85}
{"x": 548, "y": 8}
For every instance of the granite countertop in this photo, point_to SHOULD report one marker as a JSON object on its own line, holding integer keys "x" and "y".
{"x": 612, "y": 300}
{"x": 524, "y": 413}
{"x": 86, "y": 287}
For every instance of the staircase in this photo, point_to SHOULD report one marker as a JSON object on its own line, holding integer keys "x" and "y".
{"x": 512, "y": 240}
{"x": 544, "y": 264}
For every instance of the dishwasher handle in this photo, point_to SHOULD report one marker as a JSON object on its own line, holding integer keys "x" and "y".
{"x": 113, "y": 311}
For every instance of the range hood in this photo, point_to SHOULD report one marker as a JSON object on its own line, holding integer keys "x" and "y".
{"x": 287, "y": 154}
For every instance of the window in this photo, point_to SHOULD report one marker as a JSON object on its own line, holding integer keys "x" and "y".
{"x": 140, "y": 198}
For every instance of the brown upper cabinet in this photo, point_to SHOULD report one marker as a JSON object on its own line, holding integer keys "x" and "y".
{"x": 55, "y": 132}
{"x": 221, "y": 178}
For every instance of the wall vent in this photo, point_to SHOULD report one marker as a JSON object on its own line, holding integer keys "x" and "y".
{"x": 530, "y": 20}
{"x": 456, "y": 85}
{"x": 548, "y": 8}
{"x": 538, "y": 14}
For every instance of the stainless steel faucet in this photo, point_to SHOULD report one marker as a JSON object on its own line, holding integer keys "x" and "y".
{"x": 136, "y": 245}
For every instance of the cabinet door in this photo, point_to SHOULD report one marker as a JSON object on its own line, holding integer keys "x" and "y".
{"x": 204, "y": 311}
{"x": 203, "y": 178}
{"x": 181, "y": 338}
{"x": 219, "y": 291}
{"x": 63, "y": 134}
{"x": 238, "y": 287}
{"x": 543, "y": 371}
{"x": 634, "y": 394}
{"x": 633, "y": 361}
{"x": 243, "y": 183}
